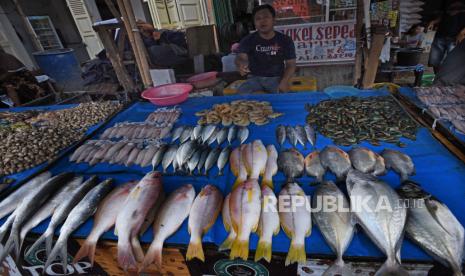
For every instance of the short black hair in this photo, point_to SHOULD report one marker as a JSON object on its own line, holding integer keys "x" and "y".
{"x": 264, "y": 7}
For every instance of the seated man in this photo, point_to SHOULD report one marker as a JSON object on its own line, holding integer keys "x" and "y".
{"x": 266, "y": 56}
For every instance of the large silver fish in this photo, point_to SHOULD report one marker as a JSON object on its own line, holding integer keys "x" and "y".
{"x": 186, "y": 134}
{"x": 381, "y": 216}
{"x": 203, "y": 159}
{"x": 291, "y": 163}
{"x": 197, "y": 132}
{"x": 301, "y": 135}
{"x": 434, "y": 227}
{"x": 401, "y": 163}
{"x": 169, "y": 156}
{"x": 336, "y": 160}
{"x": 281, "y": 134}
{"x": 311, "y": 135}
{"x": 207, "y": 131}
{"x": 223, "y": 159}
{"x": 336, "y": 225}
{"x": 80, "y": 213}
{"x": 177, "y": 133}
{"x": 295, "y": 220}
{"x": 268, "y": 224}
{"x": 363, "y": 159}
{"x": 243, "y": 134}
{"x": 212, "y": 158}
{"x": 172, "y": 214}
{"x": 212, "y": 138}
{"x": 202, "y": 216}
{"x": 380, "y": 167}
{"x": 222, "y": 135}
{"x": 313, "y": 166}
{"x": 194, "y": 161}
{"x": 291, "y": 135}
{"x": 232, "y": 134}
{"x": 158, "y": 157}
{"x": 148, "y": 156}
{"x": 185, "y": 151}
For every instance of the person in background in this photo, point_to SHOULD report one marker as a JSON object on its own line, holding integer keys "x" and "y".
{"x": 449, "y": 25}
{"x": 229, "y": 61}
{"x": 414, "y": 37}
{"x": 452, "y": 70}
{"x": 267, "y": 57}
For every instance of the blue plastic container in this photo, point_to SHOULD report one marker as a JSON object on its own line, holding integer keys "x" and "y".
{"x": 62, "y": 66}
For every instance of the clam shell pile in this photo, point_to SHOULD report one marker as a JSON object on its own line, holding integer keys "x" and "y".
{"x": 351, "y": 120}
{"x": 240, "y": 113}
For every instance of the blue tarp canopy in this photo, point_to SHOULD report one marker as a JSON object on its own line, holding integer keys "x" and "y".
{"x": 437, "y": 170}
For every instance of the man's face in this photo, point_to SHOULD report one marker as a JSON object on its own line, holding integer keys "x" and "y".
{"x": 264, "y": 21}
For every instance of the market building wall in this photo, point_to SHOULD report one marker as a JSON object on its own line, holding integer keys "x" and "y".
{"x": 59, "y": 15}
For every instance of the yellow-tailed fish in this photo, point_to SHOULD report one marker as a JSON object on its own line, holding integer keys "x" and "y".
{"x": 268, "y": 225}
{"x": 225, "y": 213}
{"x": 271, "y": 167}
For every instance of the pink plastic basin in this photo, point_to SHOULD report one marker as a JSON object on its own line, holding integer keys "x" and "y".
{"x": 168, "y": 94}
{"x": 203, "y": 80}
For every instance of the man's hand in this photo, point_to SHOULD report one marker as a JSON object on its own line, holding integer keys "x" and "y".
{"x": 244, "y": 69}
{"x": 432, "y": 24}
{"x": 461, "y": 36}
{"x": 284, "y": 86}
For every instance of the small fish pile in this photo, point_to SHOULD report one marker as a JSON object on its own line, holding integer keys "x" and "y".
{"x": 351, "y": 120}
{"x": 209, "y": 134}
{"x": 240, "y": 113}
{"x": 293, "y": 164}
{"x": 164, "y": 116}
{"x": 17, "y": 117}
{"x": 445, "y": 103}
{"x": 136, "y": 130}
{"x": 298, "y": 134}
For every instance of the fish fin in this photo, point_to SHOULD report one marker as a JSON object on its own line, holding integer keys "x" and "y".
{"x": 6, "y": 250}
{"x": 309, "y": 231}
{"x": 227, "y": 227}
{"x": 195, "y": 250}
{"x": 38, "y": 242}
{"x": 226, "y": 245}
{"x": 60, "y": 250}
{"x": 236, "y": 183}
{"x": 276, "y": 231}
{"x": 239, "y": 249}
{"x": 263, "y": 251}
{"x": 287, "y": 231}
{"x": 337, "y": 268}
{"x": 154, "y": 255}
{"x": 125, "y": 256}
{"x": 255, "y": 227}
{"x": 391, "y": 268}
{"x": 296, "y": 254}
{"x": 268, "y": 182}
{"x": 87, "y": 250}
{"x": 137, "y": 249}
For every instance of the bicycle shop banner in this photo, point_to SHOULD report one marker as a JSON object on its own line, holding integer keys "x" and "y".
{"x": 326, "y": 42}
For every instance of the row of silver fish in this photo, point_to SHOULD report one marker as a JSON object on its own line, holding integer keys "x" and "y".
{"x": 296, "y": 135}
{"x": 293, "y": 164}
{"x": 165, "y": 115}
{"x": 136, "y": 131}
{"x": 209, "y": 134}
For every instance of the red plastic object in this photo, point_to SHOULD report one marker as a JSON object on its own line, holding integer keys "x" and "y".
{"x": 168, "y": 94}
{"x": 203, "y": 80}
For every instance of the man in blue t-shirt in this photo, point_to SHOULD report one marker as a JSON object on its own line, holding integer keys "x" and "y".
{"x": 267, "y": 57}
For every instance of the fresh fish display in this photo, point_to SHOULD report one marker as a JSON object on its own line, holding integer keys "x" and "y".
{"x": 164, "y": 115}
{"x": 301, "y": 135}
{"x": 254, "y": 156}
{"x": 185, "y": 151}
{"x": 243, "y": 134}
{"x": 78, "y": 215}
{"x": 129, "y": 220}
{"x": 61, "y": 213}
{"x": 136, "y": 130}
{"x": 232, "y": 134}
{"x": 296, "y": 222}
{"x": 30, "y": 203}
{"x": 186, "y": 134}
{"x": 177, "y": 133}
{"x": 223, "y": 159}
{"x": 291, "y": 135}
{"x": 350, "y": 120}
{"x": 169, "y": 157}
{"x": 202, "y": 216}
{"x": 213, "y": 136}
{"x": 271, "y": 167}
{"x": 194, "y": 161}
{"x": 245, "y": 209}
{"x": 104, "y": 219}
{"x": 207, "y": 131}
{"x": 212, "y": 159}
{"x": 336, "y": 160}
{"x": 9, "y": 204}
{"x": 384, "y": 226}
{"x": 311, "y": 135}
{"x": 336, "y": 226}
{"x": 268, "y": 224}
{"x": 238, "y": 166}
{"x": 401, "y": 163}
{"x": 434, "y": 227}
{"x": 158, "y": 156}
{"x": 203, "y": 159}
{"x": 291, "y": 163}
{"x": 197, "y": 132}
{"x": 172, "y": 214}
{"x": 222, "y": 135}
{"x": 281, "y": 134}
{"x": 313, "y": 166}
{"x": 380, "y": 167}
{"x": 363, "y": 159}
{"x": 226, "y": 215}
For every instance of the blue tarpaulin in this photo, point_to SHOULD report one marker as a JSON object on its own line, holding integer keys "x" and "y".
{"x": 437, "y": 170}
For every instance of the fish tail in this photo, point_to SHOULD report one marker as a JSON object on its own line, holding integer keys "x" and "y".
{"x": 6, "y": 250}
{"x": 226, "y": 245}
{"x": 154, "y": 255}
{"x": 126, "y": 258}
{"x": 267, "y": 182}
{"x": 296, "y": 254}
{"x": 38, "y": 242}
{"x": 263, "y": 251}
{"x": 391, "y": 267}
{"x": 239, "y": 249}
{"x": 87, "y": 250}
{"x": 137, "y": 249}
{"x": 59, "y": 250}
{"x": 195, "y": 250}
{"x": 338, "y": 268}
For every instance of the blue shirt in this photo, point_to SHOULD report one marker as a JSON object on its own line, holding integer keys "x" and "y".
{"x": 267, "y": 56}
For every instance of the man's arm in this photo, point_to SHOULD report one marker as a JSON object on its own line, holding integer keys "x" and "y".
{"x": 242, "y": 64}
{"x": 288, "y": 74}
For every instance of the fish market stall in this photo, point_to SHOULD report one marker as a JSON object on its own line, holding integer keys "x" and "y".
{"x": 38, "y": 129}
{"x": 141, "y": 128}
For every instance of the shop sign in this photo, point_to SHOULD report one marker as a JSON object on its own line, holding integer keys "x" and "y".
{"x": 325, "y": 42}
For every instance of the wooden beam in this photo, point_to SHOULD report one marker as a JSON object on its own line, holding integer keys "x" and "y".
{"x": 28, "y": 27}
{"x": 372, "y": 63}
{"x": 358, "y": 44}
{"x": 113, "y": 10}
